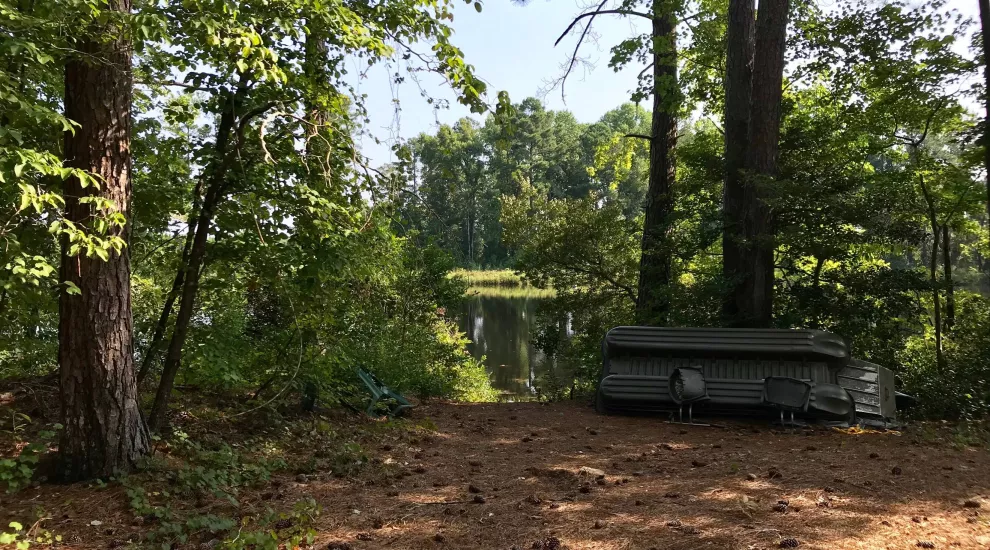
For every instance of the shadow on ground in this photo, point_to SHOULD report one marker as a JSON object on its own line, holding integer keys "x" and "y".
{"x": 665, "y": 486}
{"x": 502, "y": 476}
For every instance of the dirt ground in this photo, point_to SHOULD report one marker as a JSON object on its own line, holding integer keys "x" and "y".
{"x": 501, "y": 476}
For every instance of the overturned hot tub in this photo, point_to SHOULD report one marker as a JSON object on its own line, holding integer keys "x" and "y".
{"x": 739, "y": 368}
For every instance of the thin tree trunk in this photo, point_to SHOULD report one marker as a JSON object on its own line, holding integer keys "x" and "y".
{"x": 653, "y": 300}
{"x": 156, "y": 340}
{"x": 937, "y": 301}
{"x": 985, "y": 27}
{"x": 197, "y": 254}
{"x": 470, "y": 235}
{"x": 816, "y": 282}
{"x": 761, "y": 163}
{"x": 950, "y": 296}
{"x": 317, "y": 117}
{"x": 3, "y": 302}
{"x": 104, "y": 432}
{"x": 317, "y": 151}
{"x": 933, "y": 273}
{"x": 740, "y": 47}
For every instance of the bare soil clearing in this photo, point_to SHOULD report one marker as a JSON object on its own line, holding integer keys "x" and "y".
{"x": 510, "y": 475}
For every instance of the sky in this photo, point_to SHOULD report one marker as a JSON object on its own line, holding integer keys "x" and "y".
{"x": 512, "y": 48}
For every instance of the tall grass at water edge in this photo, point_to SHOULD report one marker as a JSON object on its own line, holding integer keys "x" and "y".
{"x": 490, "y": 277}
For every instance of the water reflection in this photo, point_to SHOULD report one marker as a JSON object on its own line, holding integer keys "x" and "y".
{"x": 501, "y": 329}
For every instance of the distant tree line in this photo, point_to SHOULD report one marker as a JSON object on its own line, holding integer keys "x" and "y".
{"x": 455, "y": 178}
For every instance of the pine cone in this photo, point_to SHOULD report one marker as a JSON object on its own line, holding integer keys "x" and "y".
{"x": 789, "y": 543}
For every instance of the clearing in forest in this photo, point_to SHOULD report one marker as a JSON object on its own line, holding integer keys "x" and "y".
{"x": 531, "y": 475}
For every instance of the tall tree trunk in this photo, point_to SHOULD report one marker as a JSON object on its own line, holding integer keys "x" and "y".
{"x": 950, "y": 295}
{"x": 985, "y": 27}
{"x": 756, "y": 289}
{"x": 740, "y": 47}
{"x": 653, "y": 299}
{"x": 193, "y": 267}
{"x": 104, "y": 432}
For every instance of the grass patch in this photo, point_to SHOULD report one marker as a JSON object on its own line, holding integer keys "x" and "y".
{"x": 492, "y": 277}
{"x": 510, "y": 292}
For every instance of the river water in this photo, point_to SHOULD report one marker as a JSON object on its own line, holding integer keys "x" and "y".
{"x": 501, "y": 330}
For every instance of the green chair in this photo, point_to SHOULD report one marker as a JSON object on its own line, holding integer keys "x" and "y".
{"x": 380, "y": 393}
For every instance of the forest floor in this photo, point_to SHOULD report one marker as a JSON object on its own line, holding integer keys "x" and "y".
{"x": 501, "y": 476}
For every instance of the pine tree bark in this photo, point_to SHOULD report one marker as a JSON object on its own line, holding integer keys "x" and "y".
{"x": 751, "y": 273}
{"x": 985, "y": 27}
{"x": 740, "y": 48}
{"x": 653, "y": 300}
{"x": 104, "y": 432}
{"x": 761, "y": 158}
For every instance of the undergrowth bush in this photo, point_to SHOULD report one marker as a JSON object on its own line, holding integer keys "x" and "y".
{"x": 17, "y": 472}
{"x": 386, "y": 311}
{"x": 960, "y": 389}
{"x": 189, "y": 492}
{"x": 276, "y": 330}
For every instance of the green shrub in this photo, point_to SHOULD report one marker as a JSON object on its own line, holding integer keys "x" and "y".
{"x": 961, "y": 388}
{"x": 16, "y": 473}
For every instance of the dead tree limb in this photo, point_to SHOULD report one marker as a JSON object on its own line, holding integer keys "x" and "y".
{"x": 600, "y": 12}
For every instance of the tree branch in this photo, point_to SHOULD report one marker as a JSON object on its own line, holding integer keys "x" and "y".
{"x": 600, "y": 12}
{"x": 928, "y": 122}
{"x": 176, "y": 83}
{"x": 625, "y": 289}
{"x": 577, "y": 47}
{"x": 715, "y": 124}
{"x": 646, "y": 68}
{"x": 640, "y": 136}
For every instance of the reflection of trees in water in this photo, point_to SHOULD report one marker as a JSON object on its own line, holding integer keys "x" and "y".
{"x": 501, "y": 330}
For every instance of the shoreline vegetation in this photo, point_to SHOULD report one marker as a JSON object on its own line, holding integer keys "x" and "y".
{"x": 488, "y": 277}
{"x": 510, "y": 292}
{"x": 501, "y": 283}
